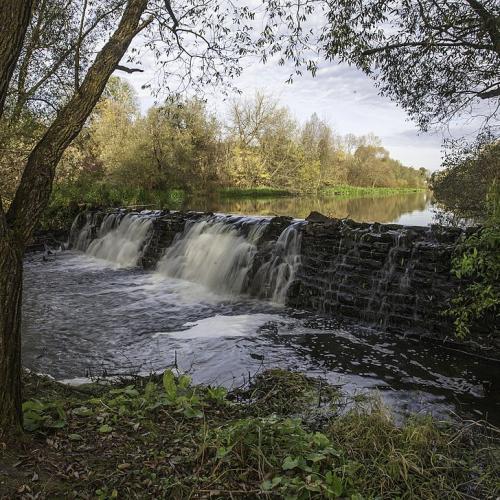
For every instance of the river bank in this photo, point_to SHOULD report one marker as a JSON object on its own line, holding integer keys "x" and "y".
{"x": 67, "y": 201}
{"x": 283, "y": 435}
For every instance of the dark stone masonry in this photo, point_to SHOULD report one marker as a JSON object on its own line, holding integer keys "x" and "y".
{"x": 396, "y": 277}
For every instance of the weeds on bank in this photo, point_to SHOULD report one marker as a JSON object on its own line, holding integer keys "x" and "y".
{"x": 286, "y": 436}
{"x": 350, "y": 191}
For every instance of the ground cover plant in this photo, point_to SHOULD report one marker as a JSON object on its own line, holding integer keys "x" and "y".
{"x": 284, "y": 436}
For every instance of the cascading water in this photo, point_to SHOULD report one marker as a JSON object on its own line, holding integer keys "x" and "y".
{"x": 216, "y": 252}
{"x": 275, "y": 276}
{"x": 117, "y": 237}
{"x": 83, "y": 317}
{"x": 227, "y": 254}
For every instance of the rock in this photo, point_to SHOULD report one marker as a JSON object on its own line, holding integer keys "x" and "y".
{"x": 317, "y": 217}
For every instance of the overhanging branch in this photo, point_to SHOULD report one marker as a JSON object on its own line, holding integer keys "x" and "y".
{"x": 171, "y": 14}
{"x": 129, "y": 70}
{"x": 488, "y": 94}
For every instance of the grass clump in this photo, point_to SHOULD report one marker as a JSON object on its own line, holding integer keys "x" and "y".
{"x": 357, "y": 191}
{"x": 258, "y": 192}
{"x": 67, "y": 200}
{"x": 285, "y": 436}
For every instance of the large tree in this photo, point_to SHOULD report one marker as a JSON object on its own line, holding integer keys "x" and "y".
{"x": 56, "y": 57}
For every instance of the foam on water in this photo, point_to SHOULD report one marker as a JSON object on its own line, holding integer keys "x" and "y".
{"x": 240, "y": 325}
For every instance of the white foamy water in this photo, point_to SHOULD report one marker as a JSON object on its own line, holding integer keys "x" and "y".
{"x": 278, "y": 273}
{"x": 241, "y": 325}
{"x": 213, "y": 253}
{"x": 123, "y": 244}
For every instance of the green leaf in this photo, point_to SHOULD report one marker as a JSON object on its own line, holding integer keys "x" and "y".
{"x": 191, "y": 412}
{"x": 169, "y": 384}
{"x": 320, "y": 440}
{"x": 131, "y": 391}
{"x": 82, "y": 411}
{"x": 315, "y": 457}
{"x": 222, "y": 452}
{"x": 58, "y": 424}
{"x": 269, "y": 485}
{"x": 290, "y": 463}
{"x": 334, "y": 483}
{"x": 75, "y": 437}
{"x": 150, "y": 389}
{"x": 104, "y": 429}
{"x": 184, "y": 381}
{"x": 33, "y": 404}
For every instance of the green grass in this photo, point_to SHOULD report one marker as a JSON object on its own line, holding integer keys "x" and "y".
{"x": 68, "y": 200}
{"x": 285, "y": 436}
{"x": 259, "y": 192}
{"x": 356, "y": 191}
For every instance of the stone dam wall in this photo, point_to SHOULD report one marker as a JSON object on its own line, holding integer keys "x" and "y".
{"x": 396, "y": 277}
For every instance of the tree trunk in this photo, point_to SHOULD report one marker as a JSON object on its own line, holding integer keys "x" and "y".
{"x": 31, "y": 199}
{"x": 11, "y": 255}
{"x": 14, "y": 19}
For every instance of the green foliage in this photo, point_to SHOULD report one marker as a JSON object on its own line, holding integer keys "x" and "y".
{"x": 67, "y": 200}
{"x": 297, "y": 464}
{"x": 357, "y": 191}
{"x": 470, "y": 170}
{"x": 135, "y": 440}
{"x": 38, "y": 416}
{"x": 477, "y": 263}
{"x": 129, "y": 400}
{"x": 258, "y": 192}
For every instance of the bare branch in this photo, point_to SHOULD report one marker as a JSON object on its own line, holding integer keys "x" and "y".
{"x": 129, "y": 70}
{"x": 78, "y": 46}
{"x": 171, "y": 14}
{"x": 489, "y": 93}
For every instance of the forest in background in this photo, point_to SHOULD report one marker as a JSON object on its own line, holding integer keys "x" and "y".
{"x": 182, "y": 146}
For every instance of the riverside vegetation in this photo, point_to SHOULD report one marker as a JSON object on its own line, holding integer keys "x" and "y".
{"x": 469, "y": 186}
{"x": 123, "y": 158}
{"x": 283, "y": 436}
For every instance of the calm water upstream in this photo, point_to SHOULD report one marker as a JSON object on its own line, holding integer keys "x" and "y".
{"x": 93, "y": 312}
{"x": 408, "y": 209}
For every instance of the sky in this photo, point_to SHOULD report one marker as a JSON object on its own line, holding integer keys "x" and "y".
{"x": 341, "y": 95}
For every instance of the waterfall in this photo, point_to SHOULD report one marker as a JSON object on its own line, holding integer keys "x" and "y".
{"x": 116, "y": 237}
{"x": 274, "y": 277}
{"x": 229, "y": 255}
{"x": 217, "y": 252}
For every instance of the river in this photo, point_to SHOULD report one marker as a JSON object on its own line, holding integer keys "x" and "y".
{"x": 93, "y": 312}
{"x": 415, "y": 208}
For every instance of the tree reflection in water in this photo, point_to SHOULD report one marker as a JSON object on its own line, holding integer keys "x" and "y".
{"x": 363, "y": 209}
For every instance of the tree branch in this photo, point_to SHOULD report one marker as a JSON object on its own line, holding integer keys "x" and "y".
{"x": 171, "y": 14}
{"x": 128, "y": 70}
{"x": 33, "y": 192}
{"x": 391, "y": 46}
{"x": 488, "y": 94}
{"x": 490, "y": 21}
{"x": 14, "y": 20}
{"x": 78, "y": 45}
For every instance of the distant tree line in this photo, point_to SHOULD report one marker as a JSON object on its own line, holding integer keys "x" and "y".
{"x": 181, "y": 145}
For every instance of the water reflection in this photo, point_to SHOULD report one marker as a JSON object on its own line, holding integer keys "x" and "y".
{"x": 412, "y": 208}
